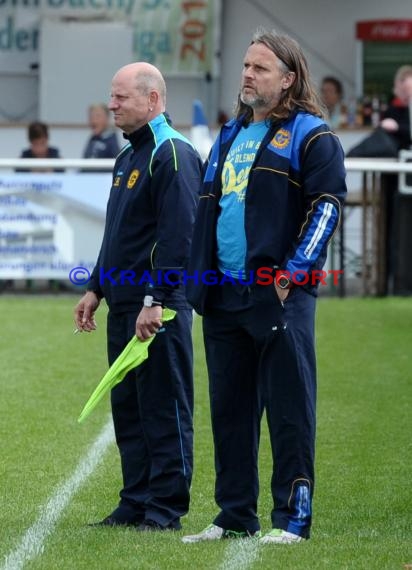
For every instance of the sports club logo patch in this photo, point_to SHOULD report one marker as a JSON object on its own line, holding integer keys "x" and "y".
{"x": 133, "y": 178}
{"x": 281, "y": 139}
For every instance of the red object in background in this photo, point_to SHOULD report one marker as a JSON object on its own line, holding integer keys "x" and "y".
{"x": 384, "y": 30}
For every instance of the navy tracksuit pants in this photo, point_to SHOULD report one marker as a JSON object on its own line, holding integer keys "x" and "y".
{"x": 260, "y": 356}
{"x": 153, "y": 419}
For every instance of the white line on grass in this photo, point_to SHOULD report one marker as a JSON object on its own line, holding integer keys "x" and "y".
{"x": 240, "y": 554}
{"x": 31, "y": 544}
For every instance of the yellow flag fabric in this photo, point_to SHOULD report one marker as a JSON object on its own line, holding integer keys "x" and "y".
{"x": 135, "y": 352}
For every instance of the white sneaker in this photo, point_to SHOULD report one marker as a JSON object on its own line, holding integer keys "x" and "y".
{"x": 279, "y": 536}
{"x": 214, "y": 532}
{"x": 211, "y": 532}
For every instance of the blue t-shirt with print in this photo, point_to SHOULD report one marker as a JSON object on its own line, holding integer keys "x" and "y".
{"x": 231, "y": 236}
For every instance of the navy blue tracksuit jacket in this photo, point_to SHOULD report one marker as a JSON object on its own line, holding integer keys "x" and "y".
{"x": 260, "y": 353}
{"x": 150, "y": 215}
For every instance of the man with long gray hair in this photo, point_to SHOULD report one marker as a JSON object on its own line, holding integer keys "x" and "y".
{"x": 271, "y": 201}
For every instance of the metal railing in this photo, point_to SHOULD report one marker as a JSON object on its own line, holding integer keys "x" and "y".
{"x": 372, "y": 202}
{"x": 374, "y": 231}
{"x": 381, "y": 165}
{"x": 57, "y": 163}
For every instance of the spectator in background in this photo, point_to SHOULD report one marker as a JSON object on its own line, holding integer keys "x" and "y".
{"x": 331, "y": 92}
{"x": 38, "y": 135}
{"x": 398, "y": 208}
{"x": 103, "y": 141}
{"x": 396, "y": 119}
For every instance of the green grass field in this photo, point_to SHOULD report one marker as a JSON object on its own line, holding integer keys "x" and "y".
{"x": 363, "y": 501}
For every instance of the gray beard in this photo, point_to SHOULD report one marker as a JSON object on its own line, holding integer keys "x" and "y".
{"x": 253, "y": 101}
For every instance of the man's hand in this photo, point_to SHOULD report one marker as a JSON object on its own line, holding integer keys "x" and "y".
{"x": 390, "y": 125}
{"x": 281, "y": 293}
{"x": 148, "y": 322}
{"x": 84, "y": 312}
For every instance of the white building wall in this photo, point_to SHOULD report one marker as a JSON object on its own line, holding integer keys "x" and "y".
{"x": 325, "y": 29}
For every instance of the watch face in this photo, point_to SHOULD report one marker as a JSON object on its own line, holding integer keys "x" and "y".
{"x": 148, "y": 301}
{"x": 283, "y": 282}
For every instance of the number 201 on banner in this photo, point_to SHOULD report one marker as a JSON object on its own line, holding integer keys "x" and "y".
{"x": 193, "y": 31}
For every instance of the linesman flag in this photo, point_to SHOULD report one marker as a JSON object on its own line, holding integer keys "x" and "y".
{"x": 135, "y": 352}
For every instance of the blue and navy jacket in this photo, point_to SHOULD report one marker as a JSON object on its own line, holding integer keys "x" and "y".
{"x": 293, "y": 201}
{"x": 149, "y": 219}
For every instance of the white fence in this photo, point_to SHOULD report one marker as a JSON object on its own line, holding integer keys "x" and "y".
{"x": 52, "y": 222}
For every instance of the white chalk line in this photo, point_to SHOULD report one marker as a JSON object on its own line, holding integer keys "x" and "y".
{"x": 240, "y": 554}
{"x": 32, "y": 542}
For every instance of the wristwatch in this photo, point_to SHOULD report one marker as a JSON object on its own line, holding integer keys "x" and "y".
{"x": 148, "y": 301}
{"x": 283, "y": 281}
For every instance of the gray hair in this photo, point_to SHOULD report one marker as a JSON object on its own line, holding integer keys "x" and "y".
{"x": 147, "y": 81}
{"x": 302, "y": 93}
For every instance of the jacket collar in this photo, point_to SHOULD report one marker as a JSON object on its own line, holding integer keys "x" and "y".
{"x": 139, "y": 137}
{"x": 241, "y": 121}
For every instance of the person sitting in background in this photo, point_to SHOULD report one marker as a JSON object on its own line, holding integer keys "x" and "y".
{"x": 103, "y": 141}
{"x": 38, "y": 135}
{"x": 331, "y": 92}
{"x": 396, "y": 118}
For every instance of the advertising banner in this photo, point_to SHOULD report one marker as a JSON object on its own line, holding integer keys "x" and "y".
{"x": 179, "y": 37}
{"x": 51, "y": 225}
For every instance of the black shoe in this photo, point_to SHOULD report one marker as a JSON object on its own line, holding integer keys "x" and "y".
{"x": 111, "y": 521}
{"x": 153, "y": 526}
